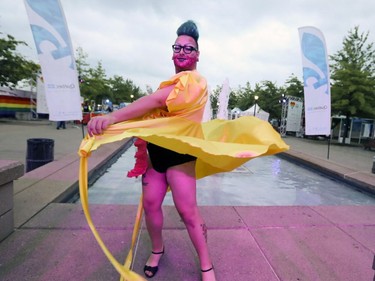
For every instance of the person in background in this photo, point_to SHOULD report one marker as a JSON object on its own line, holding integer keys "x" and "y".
{"x": 61, "y": 125}
{"x": 86, "y": 107}
{"x": 175, "y": 97}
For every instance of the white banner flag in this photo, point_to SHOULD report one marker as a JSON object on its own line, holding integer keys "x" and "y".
{"x": 316, "y": 81}
{"x": 56, "y": 58}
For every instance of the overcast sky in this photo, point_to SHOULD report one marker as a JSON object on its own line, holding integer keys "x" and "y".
{"x": 242, "y": 40}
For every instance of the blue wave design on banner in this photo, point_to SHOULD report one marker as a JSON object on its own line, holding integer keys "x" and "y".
{"x": 313, "y": 49}
{"x": 50, "y": 11}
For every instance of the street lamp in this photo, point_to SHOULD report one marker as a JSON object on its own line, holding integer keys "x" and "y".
{"x": 255, "y": 105}
{"x": 282, "y": 99}
{"x": 131, "y": 98}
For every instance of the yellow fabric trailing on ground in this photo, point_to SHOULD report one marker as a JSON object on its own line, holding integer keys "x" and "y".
{"x": 124, "y": 271}
{"x": 137, "y": 225}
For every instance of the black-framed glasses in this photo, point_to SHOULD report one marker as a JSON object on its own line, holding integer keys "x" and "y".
{"x": 187, "y": 49}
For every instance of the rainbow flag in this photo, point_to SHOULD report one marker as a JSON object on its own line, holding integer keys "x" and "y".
{"x": 11, "y": 104}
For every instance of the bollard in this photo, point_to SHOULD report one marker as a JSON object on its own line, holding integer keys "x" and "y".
{"x": 373, "y": 165}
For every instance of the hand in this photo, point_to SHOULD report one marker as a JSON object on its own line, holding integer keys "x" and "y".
{"x": 98, "y": 124}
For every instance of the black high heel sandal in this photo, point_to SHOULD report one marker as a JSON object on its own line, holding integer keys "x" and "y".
{"x": 152, "y": 269}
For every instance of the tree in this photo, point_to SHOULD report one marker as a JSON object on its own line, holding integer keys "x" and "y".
{"x": 14, "y": 67}
{"x": 81, "y": 63}
{"x": 245, "y": 97}
{"x": 353, "y": 67}
{"x": 124, "y": 90}
{"x": 96, "y": 86}
{"x": 214, "y": 99}
{"x": 294, "y": 87}
{"x": 269, "y": 95}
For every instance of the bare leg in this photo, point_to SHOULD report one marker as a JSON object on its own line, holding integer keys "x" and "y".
{"x": 183, "y": 185}
{"x": 154, "y": 187}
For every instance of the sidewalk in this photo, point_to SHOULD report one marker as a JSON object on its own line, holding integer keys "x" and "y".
{"x": 52, "y": 240}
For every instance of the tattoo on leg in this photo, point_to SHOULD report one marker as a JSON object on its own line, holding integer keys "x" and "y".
{"x": 204, "y": 231}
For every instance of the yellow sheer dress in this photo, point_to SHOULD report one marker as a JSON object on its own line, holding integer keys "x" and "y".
{"x": 219, "y": 145}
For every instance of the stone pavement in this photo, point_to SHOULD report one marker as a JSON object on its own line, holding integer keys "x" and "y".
{"x": 52, "y": 241}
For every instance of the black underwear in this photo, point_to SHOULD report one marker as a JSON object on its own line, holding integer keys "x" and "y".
{"x": 162, "y": 158}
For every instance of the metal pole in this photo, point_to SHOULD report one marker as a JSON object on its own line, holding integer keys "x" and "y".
{"x": 329, "y": 145}
{"x": 255, "y": 104}
{"x": 83, "y": 130}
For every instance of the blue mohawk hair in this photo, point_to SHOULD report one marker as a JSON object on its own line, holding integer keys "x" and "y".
{"x": 189, "y": 28}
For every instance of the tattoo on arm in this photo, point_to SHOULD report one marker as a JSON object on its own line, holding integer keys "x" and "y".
{"x": 204, "y": 231}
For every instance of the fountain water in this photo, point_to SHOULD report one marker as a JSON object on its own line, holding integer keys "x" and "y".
{"x": 207, "y": 115}
{"x": 223, "y": 101}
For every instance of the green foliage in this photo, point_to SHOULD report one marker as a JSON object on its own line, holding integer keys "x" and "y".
{"x": 214, "y": 99}
{"x": 124, "y": 90}
{"x": 81, "y": 63}
{"x": 294, "y": 87}
{"x": 14, "y": 67}
{"x": 353, "y": 67}
{"x": 269, "y": 95}
{"x": 97, "y": 87}
{"x": 245, "y": 97}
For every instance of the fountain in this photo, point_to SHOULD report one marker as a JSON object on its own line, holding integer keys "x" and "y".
{"x": 222, "y": 112}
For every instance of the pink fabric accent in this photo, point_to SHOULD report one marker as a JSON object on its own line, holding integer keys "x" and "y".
{"x": 140, "y": 156}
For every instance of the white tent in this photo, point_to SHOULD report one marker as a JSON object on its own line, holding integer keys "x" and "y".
{"x": 235, "y": 113}
{"x": 260, "y": 113}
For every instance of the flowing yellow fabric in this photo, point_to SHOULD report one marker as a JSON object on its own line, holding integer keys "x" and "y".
{"x": 137, "y": 226}
{"x": 219, "y": 145}
{"x": 125, "y": 272}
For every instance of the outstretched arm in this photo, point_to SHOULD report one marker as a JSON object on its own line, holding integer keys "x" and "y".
{"x": 133, "y": 110}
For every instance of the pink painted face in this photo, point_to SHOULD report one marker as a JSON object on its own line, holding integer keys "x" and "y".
{"x": 183, "y": 61}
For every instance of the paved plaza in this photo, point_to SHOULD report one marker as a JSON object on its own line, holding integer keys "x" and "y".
{"x": 52, "y": 241}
